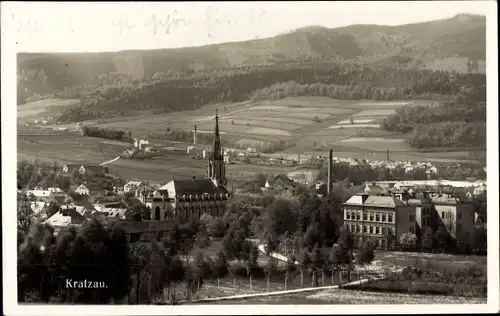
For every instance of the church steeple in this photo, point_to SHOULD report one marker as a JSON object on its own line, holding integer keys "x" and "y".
{"x": 216, "y": 148}
{"x": 216, "y": 170}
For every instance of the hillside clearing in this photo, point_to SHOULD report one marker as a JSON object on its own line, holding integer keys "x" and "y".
{"x": 384, "y": 112}
{"x": 355, "y": 126}
{"x": 374, "y": 139}
{"x": 43, "y": 108}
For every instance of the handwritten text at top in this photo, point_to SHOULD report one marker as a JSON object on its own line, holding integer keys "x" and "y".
{"x": 166, "y": 23}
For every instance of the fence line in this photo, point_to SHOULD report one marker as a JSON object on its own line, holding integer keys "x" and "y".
{"x": 309, "y": 289}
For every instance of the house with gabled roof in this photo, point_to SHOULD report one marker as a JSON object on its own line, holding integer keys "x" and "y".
{"x": 65, "y": 218}
{"x": 280, "y": 182}
{"x": 131, "y": 186}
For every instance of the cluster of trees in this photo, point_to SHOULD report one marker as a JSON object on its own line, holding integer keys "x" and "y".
{"x": 361, "y": 173}
{"x": 449, "y": 135}
{"x": 101, "y": 255}
{"x": 440, "y": 239}
{"x": 110, "y": 133}
{"x": 38, "y": 173}
{"x": 307, "y": 228}
{"x": 46, "y": 264}
{"x": 457, "y": 124}
{"x": 47, "y": 175}
{"x": 165, "y": 94}
{"x": 280, "y": 91}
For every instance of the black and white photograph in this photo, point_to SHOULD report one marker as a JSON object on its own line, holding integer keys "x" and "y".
{"x": 249, "y": 157}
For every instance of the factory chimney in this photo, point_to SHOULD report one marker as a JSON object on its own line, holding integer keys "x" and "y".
{"x": 330, "y": 167}
{"x": 194, "y": 135}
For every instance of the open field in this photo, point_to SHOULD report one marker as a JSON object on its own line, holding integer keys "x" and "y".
{"x": 340, "y": 296}
{"x": 447, "y": 262}
{"x": 383, "y": 113}
{"x": 44, "y": 108}
{"x": 67, "y": 147}
{"x": 311, "y": 124}
{"x": 357, "y": 126}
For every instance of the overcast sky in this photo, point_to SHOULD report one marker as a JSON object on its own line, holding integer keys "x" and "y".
{"x": 70, "y": 27}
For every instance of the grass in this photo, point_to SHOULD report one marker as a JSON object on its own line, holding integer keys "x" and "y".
{"x": 355, "y": 126}
{"x": 340, "y": 297}
{"x": 43, "y": 108}
{"x": 384, "y": 113}
{"x": 447, "y": 262}
{"x": 441, "y": 274}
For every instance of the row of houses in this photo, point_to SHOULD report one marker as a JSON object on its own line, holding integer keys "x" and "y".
{"x": 471, "y": 188}
{"x": 83, "y": 168}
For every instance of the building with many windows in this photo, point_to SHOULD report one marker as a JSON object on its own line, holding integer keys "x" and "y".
{"x": 183, "y": 200}
{"x": 456, "y": 215}
{"x": 424, "y": 214}
{"x": 375, "y": 216}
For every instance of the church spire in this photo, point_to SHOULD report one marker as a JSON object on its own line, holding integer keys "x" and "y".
{"x": 216, "y": 148}
{"x": 216, "y": 169}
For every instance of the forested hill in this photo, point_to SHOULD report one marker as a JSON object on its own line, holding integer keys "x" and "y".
{"x": 458, "y": 43}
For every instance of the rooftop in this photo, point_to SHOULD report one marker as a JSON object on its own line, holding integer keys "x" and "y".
{"x": 195, "y": 186}
{"x": 375, "y": 201}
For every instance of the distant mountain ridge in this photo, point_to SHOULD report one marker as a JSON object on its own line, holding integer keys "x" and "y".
{"x": 457, "y": 43}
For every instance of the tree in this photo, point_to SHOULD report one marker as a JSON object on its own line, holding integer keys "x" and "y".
{"x": 277, "y": 220}
{"x": 269, "y": 270}
{"x": 289, "y": 269}
{"x": 29, "y": 265}
{"x": 346, "y": 243}
{"x": 390, "y": 238}
{"x": 366, "y": 253}
{"x": 251, "y": 262}
{"x": 138, "y": 258}
{"x": 260, "y": 179}
{"x": 176, "y": 273}
{"x": 216, "y": 228}
{"x": 220, "y": 267}
{"x": 118, "y": 254}
{"x": 317, "y": 263}
{"x": 187, "y": 239}
{"x": 443, "y": 238}
{"x": 427, "y": 242}
{"x": 205, "y": 219}
{"x": 335, "y": 259}
{"x": 480, "y": 239}
{"x": 304, "y": 262}
{"x": 202, "y": 270}
{"x": 201, "y": 237}
{"x": 24, "y": 212}
{"x": 408, "y": 240}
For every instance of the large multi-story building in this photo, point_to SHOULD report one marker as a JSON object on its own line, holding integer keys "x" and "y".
{"x": 374, "y": 216}
{"x": 183, "y": 200}
{"x": 424, "y": 214}
{"x": 456, "y": 215}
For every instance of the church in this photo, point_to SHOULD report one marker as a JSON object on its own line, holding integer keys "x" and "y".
{"x": 183, "y": 200}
